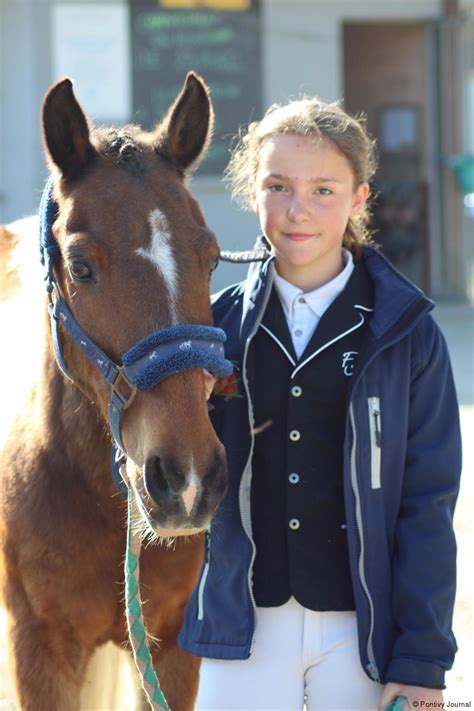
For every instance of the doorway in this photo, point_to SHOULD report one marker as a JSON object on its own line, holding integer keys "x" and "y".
{"x": 385, "y": 77}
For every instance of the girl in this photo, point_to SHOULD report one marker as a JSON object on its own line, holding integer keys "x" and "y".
{"x": 329, "y": 574}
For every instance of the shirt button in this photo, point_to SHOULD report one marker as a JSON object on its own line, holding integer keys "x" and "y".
{"x": 295, "y": 435}
{"x": 298, "y": 333}
{"x": 293, "y": 478}
{"x": 296, "y": 391}
{"x": 301, "y": 300}
{"x": 294, "y": 524}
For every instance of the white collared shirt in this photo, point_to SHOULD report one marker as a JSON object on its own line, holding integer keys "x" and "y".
{"x": 303, "y": 311}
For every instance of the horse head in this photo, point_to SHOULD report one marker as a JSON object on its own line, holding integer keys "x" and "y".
{"x": 134, "y": 257}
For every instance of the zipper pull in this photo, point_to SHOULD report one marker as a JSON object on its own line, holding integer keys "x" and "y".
{"x": 373, "y": 671}
{"x": 374, "y": 405}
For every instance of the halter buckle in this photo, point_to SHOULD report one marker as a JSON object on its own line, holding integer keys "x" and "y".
{"x": 119, "y": 382}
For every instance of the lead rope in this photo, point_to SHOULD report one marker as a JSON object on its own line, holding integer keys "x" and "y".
{"x": 136, "y": 627}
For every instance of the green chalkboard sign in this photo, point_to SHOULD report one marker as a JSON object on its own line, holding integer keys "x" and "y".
{"x": 222, "y": 46}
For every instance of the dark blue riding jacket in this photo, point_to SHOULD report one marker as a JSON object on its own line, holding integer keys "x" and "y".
{"x": 400, "y": 489}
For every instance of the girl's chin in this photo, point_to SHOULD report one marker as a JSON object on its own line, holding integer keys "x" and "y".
{"x": 299, "y": 261}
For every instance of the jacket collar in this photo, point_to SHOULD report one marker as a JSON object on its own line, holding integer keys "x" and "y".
{"x": 394, "y": 295}
{"x": 256, "y": 293}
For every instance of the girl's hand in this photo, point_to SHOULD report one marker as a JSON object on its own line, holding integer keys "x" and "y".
{"x": 414, "y": 694}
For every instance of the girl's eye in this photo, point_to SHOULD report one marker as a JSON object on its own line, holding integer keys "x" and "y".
{"x": 324, "y": 191}
{"x": 80, "y": 270}
{"x": 276, "y": 188}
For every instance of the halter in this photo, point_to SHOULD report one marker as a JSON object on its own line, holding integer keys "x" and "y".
{"x": 157, "y": 356}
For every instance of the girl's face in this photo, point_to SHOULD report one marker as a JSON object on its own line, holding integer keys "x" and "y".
{"x": 304, "y": 195}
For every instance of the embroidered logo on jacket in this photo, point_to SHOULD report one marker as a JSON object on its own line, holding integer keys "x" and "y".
{"x": 348, "y": 362}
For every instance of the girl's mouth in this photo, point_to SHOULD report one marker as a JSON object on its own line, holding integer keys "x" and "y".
{"x": 298, "y": 236}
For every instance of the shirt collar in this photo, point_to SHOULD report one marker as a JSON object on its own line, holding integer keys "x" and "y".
{"x": 319, "y": 299}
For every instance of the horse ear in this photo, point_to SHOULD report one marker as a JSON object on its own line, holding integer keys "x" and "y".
{"x": 186, "y": 130}
{"x": 65, "y": 130}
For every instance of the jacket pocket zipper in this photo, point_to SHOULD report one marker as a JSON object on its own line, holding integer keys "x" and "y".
{"x": 202, "y": 582}
{"x": 375, "y": 423}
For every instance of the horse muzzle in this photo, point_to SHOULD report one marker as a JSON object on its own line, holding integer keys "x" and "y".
{"x": 178, "y": 502}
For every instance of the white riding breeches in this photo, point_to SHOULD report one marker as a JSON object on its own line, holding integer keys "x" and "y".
{"x": 301, "y": 658}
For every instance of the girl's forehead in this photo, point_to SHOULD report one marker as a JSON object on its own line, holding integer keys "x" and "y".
{"x": 293, "y": 154}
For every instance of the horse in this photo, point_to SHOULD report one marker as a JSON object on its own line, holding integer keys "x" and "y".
{"x": 128, "y": 258}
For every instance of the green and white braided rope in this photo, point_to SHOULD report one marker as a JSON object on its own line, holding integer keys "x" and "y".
{"x": 136, "y": 627}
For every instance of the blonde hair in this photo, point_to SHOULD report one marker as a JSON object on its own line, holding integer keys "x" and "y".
{"x": 307, "y": 117}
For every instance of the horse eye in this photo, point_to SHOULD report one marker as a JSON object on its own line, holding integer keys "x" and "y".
{"x": 79, "y": 270}
{"x": 213, "y": 264}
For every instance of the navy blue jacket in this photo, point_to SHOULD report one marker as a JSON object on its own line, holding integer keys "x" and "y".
{"x": 400, "y": 488}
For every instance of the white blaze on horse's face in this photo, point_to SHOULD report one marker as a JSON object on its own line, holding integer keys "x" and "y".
{"x": 160, "y": 253}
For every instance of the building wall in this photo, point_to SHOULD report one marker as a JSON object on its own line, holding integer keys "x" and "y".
{"x": 301, "y": 53}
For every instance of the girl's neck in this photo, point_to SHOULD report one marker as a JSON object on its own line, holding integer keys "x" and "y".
{"x": 311, "y": 277}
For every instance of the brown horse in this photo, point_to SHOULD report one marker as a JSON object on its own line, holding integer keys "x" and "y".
{"x": 134, "y": 257}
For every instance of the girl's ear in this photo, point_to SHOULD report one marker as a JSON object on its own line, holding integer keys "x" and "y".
{"x": 360, "y": 198}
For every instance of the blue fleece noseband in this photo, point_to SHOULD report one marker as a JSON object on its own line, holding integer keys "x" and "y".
{"x": 151, "y": 360}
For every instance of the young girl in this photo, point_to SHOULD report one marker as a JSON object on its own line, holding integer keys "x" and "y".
{"x": 329, "y": 574}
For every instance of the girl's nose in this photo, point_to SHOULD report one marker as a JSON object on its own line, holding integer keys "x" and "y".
{"x": 298, "y": 209}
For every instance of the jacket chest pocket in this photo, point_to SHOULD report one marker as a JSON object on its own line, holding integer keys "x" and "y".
{"x": 375, "y": 426}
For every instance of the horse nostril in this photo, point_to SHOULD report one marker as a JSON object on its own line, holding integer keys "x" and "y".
{"x": 184, "y": 498}
{"x": 214, "y": 482}
{"x": 162, "y": 479}
{"x": 154, "y": 480}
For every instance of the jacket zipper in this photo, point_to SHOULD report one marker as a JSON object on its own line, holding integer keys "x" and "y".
{"x": 375, "y": 424}
{"x": 245, "y": 482}
{"x": 202, "y": 582}
{"x": 371, "y": 666}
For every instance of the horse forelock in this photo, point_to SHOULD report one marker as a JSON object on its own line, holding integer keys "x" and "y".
{"x": 122, "y": 145}
{"x": 130, "y": 145}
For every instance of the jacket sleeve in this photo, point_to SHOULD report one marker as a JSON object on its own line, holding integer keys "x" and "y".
{"x": 424, "y": 564}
